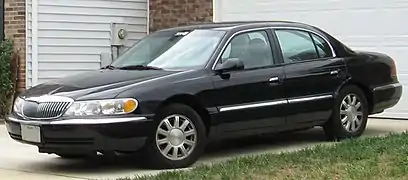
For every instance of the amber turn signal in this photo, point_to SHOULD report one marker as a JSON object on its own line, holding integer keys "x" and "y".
{"x": 129, "y": 105}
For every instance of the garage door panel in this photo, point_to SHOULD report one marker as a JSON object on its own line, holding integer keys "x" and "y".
{"x": 400, "y": 55}
{"x": 390, "y": 21}
{"x": 370, "y": 25}
{"x": 240, "y": 6}
{"x": 394, "y": 41}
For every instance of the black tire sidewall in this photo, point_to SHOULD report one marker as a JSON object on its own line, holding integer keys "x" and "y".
{"x": 335, "y": 128}
{"x": 155, "y": 158}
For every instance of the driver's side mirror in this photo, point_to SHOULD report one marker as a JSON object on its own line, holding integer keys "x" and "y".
{"x": 230, "y": 64}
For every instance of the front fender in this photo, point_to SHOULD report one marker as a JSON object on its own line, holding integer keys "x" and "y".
{"x": 151, "y": 95}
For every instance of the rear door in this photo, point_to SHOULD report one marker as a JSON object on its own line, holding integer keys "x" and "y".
{"x": 313, "y": 74}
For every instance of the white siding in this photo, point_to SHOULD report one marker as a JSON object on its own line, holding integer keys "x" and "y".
{"x": 374, "y": 25}
{"x": 72, "y": 34}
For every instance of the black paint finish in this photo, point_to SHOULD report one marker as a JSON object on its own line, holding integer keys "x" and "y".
{"x": 270, "y": 99}
{"x": 246, "y": 87}
{"x": 313, "y": 79}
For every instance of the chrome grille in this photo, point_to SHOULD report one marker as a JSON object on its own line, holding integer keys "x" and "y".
{"x": 45, "y": 107}
{"x": 51, "y": 109}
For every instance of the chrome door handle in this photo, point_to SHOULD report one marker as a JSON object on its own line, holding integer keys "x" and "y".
{"x": 335, "y": 72}
{"x": 274, "y": 80}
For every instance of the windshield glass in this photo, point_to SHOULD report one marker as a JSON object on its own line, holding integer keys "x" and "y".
{"x": 172, "y": 50}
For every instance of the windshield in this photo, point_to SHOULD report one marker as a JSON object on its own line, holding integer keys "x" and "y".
{"x": 172, "y": 50}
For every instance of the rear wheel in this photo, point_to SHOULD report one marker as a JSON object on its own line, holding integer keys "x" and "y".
{"x": 178, "y": 139}
{"x": 350, "y": 114}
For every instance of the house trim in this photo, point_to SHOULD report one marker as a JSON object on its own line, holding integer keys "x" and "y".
{"x": 34, "y": 46}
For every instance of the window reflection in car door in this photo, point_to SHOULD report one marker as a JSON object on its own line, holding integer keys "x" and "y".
{"x": 241, "y": 93}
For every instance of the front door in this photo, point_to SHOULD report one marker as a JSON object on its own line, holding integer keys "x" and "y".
{"x": 313, "y": 74}
{"x": 250, "y": 98}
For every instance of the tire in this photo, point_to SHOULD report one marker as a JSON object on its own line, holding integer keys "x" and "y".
{"x": 334, "y": 128}
{"x": 156, "y": 154}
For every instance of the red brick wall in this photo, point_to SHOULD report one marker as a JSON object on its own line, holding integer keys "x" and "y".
{"x": 170, "y": 13}
{"x": 15, "y": 29}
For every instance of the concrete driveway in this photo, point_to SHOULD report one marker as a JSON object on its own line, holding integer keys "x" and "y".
{"x": 19, "y": 161}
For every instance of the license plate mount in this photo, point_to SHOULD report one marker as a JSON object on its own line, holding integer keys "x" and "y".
{"x": 31, "y": 133}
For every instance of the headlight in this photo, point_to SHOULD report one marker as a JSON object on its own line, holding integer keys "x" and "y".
{"x": 102, "y": 107}
{"x": 18, "y": 105}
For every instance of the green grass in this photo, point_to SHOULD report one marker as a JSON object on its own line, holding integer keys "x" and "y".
{"x": 376, "y": 158}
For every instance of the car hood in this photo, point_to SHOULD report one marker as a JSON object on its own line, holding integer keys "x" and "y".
{"x": 95, "y": 84}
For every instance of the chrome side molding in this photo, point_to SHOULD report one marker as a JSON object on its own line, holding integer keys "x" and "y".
{"x": 255, "y": 105}
{"x": 274, "y": 103}
{"x": 387, "y": 86}
{"x": 313, "y": 98}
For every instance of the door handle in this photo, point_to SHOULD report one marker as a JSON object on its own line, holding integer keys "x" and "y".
{"x": 274, "y": 80}
{"x": 334, "y": 72}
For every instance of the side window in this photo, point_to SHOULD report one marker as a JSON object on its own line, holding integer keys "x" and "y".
{"x": 252, "y": 48}
{"x": 322, "y": 47}
{"x": 227, "y": 53}
{"x": 296, "y": 45}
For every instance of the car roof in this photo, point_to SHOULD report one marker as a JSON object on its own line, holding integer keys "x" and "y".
{"x": 238, "y": 25}
{"x": 235, "y": 26}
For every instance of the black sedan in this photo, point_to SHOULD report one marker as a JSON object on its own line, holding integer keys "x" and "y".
{"x": 177, "y": 89}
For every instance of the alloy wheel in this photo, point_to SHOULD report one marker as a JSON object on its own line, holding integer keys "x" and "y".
{"x": 176, "y": 137}
{"x": 351, "y": 113}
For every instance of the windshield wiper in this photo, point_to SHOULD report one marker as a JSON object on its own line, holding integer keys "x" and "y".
{"x": 139, "y": 67}
{"x": 109, "y": 67}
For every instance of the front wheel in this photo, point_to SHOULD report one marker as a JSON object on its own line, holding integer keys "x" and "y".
{"x": 178, "y": 138}
{"x": 350, "y": 114}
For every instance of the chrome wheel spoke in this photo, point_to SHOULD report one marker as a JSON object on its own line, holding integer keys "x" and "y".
{"x": 162, "y": 141}
{"x": 359, "y": 113}
{"x": 175, "y": 152}
{"x": 354, "y": 100}
{"x": 184, "y": 125}
{"x": 167, "y": 149}
{"x": 348, "y": 125}
{"x": 168, "y": 125}
{"x": 348, "y": 99}
{"x": 343, "y": 112}
{"x": 358, "y": 105}
{"x": 183, "y": 150}
{"x": 353, "y": 125}
{"x": 189, "y": 133}
{"x": 358, "y": 122}
{"x": 189, "y": 142}
{"x": 344, "y": 103}
{"x": 344, "y": 119}
{"x": 176, "y": 122}
{"x": 163, "y": 132}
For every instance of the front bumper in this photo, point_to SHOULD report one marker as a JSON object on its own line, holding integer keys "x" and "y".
{"x": 81, "y": 135}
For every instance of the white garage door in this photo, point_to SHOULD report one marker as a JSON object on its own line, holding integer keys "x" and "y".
{"x": 374, "y": 25}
